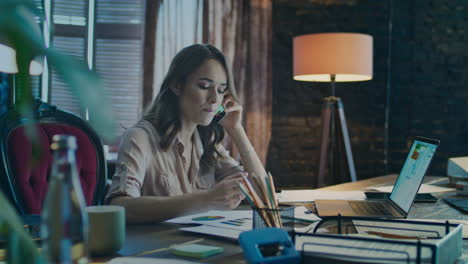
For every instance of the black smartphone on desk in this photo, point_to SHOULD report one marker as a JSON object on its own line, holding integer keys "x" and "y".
{"x": 420, "y": 197}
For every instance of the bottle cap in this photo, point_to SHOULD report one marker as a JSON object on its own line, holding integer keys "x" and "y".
{"x": 61, "y": 141}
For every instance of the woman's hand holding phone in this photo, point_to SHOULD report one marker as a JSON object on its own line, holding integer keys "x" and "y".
{"x": 233, "y": 109}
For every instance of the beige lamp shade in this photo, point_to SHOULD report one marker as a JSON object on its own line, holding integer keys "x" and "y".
{"x": 318, "y": 56}
{"x": 8, "y": 62}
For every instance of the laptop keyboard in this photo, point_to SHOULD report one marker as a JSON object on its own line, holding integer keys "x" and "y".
{"x": 370, "y": 208}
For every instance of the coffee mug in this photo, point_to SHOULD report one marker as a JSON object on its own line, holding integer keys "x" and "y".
{"x": 106, "y": 229}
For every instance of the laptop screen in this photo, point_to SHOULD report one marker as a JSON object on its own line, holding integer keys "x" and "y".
{"x": 413, "y": 172}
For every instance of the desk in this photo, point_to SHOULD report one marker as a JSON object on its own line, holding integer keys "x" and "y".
{"x": 439, "y": 210}
{"x": 153, "y": 236}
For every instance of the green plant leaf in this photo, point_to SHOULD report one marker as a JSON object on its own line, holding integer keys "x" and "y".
{"x": 88, "y": 88}
{"x": 20, "y": 29}
{"x": 18, "y": 26}
{"x": 21, "y": 249}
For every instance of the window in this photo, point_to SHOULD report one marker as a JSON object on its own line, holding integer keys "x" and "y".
{"x": 108, "y": 36}
{"x": 36, "y": 79}
{"x": 118, "y": 55}
{"x": 69, "y": 18}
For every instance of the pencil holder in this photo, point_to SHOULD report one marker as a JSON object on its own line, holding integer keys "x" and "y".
{"x": 281, "y": 218}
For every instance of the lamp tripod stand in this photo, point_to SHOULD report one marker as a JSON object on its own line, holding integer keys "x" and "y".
{"x": 335, "y": 147}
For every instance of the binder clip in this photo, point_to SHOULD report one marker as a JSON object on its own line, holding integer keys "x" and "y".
{"x": 269, "y": 246}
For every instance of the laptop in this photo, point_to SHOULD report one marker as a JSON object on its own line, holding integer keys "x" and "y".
{"x": 398, "y": 204}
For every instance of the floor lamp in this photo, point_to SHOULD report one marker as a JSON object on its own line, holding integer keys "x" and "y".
{"x": 333, "y": 57}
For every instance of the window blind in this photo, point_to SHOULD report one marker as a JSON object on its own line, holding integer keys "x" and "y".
{"x": 117, "y": 51}
{"x": 36, "y": 79}
{"x": 60, "y": 94}
{"x": 69, "y": 12}
{"x": 38, "y": 4}
{"x": 35, "y": 85}
{"x": 118, "y": 62}
{"x": 119, "y": 56}
{"x": 120, "y": 11}
{"x": 68, "y": 36}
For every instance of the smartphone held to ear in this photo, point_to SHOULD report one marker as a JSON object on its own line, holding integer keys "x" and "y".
{"x": 220, "y": 114}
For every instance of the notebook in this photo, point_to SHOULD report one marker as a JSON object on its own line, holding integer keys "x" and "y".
{"x": 398, "y": 204}
{"x": 196, "y": 250}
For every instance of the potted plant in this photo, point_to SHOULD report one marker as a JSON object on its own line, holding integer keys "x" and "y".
{"x": 19, "y": 28}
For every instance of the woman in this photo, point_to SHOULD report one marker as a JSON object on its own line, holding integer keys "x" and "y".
{"x": 172, "y": 162}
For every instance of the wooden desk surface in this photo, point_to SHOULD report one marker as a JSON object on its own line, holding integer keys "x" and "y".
{"x": 438, "y": 210}
{"x": 149, "y": 237}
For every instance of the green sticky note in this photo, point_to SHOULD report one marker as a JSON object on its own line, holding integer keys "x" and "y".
{"x": 196, "y": 250}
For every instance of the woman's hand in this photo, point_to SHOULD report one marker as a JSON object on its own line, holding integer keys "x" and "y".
{"x": 226, "y": 194}
{"x": 233, "y": 109}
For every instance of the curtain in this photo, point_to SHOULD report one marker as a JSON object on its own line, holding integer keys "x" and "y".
{"x": 179, "y": 24}
{"x": 242, "y": 30}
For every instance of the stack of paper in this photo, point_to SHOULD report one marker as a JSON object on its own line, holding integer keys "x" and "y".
{"x": 457, "y": 168}
{"x": 393, "y": 242}
{"x": 358, "y": 251}
{"x": 453, "y": 221}
{"x": 297, "y": 196}
{"x": 425, "y": 188}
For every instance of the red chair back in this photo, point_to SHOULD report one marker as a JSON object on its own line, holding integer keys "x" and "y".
{"x": 33, "y": 179}
{"x": 25, "y": 183}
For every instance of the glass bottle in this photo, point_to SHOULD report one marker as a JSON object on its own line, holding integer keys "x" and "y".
{"x": 64, "y": 225}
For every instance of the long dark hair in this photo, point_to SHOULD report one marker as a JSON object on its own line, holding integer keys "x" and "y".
{"x": 164, "y": 113}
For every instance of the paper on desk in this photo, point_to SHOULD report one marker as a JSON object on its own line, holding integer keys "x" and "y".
{"x": 397, "y": 228}
{"x": 231, "y": 233}
{"x": 212, "y": 216}
{"x": 294, "y": 196}
{"x": 300, "y": 213}
{"x": 454, "y": 221}
{"x": 425, "y": 188}
{"x": 236, "y": 221}
{"x": 240, "y": 220}
{"x": 245, "y": 224}
{"x": 214, "y": 231}
{"x": 241, "y": 224}
{"x": 135, "y": 260}
{"x": 447, "y": 245}
{"x": 219, "y": 216}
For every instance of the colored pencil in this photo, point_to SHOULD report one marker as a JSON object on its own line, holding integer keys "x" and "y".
{"x": 261, "y": 194}
{"x": 257, "y": 201}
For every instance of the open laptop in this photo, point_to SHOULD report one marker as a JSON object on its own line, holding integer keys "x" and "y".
{"x": 404, "y": 191}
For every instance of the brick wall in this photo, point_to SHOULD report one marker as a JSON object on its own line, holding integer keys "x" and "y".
{"x": 429, "y": 78}
{"x": 423, "y": 89}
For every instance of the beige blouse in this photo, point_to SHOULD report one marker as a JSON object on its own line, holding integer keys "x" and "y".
{"x": 144, "y": 169}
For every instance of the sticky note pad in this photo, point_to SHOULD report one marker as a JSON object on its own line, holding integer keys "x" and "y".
{"x": 196, "y": 250}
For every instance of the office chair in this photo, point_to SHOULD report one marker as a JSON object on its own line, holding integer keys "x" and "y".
{"x": 24, "y": 183}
